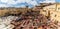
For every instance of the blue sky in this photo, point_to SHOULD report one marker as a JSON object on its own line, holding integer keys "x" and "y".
{"x": 58, "y": 1}
{"x": 23, "y": 3}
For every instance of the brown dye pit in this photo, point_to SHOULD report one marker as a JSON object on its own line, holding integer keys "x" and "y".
{"x": 34, "y": 20}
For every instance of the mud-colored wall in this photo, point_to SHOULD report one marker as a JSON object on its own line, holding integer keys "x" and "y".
{"x": 54, "y": 11}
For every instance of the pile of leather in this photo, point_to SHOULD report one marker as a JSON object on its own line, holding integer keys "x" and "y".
{"x": 34, "y": 20}
{"x": 12, "y": 11}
